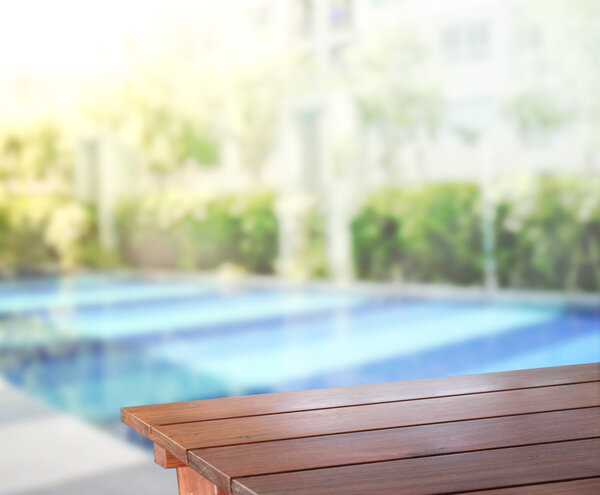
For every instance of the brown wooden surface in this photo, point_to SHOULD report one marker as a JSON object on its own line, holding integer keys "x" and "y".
{"x": 441, "y": 474}
{"x": 144, "y": 418}
{"x": 180, "y": 438}
{"x": 166, "y": 459}
{"x": 523, "y": 432}
{"x": 191, "y": 483}
{"x": 589, "y": 486}
{"x": 221, "y": 464}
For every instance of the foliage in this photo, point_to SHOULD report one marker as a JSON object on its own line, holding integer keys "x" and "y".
{"x": 427, "y": 234}
{"x": 201, "y": 231}
{"x": 443, "y": 237}
{"x": 33, "y": 152}
{"x": 548, "y": 234}
{"x": 250, "y": 115}
{"x": 376, "y": 235}
{"x": 149, "y": 116}
{"x": 559, "y": 62}
{"x": 534, "y": 112}
{"x": 4, "y": 233}
{"x": 259, "y": 239}
{"x": 304, "y": 248}
{"x": 43, "y": 230}
{"x": 232, "y": 94}
{"x": 387, "y": 80}
{"x": 310, "y": 261}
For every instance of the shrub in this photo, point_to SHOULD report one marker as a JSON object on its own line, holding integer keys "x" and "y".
{"x": 426, "y": 234}
{"x": 377, "y": 242}
{"x": 548, "y": 234}
{"x": 42, "y": 230}
{"x": 195, "y": 231}
{"x": 35, "y": 152}
{"x": 310, "y": 260}
{"x": 442, "y": 235}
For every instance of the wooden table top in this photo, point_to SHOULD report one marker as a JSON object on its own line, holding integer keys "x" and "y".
{"x": 518, "y": 432}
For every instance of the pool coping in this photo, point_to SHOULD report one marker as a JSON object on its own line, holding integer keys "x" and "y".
{"x": 412, "y": 290}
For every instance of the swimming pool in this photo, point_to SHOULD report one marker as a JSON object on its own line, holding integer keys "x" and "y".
{"x": 91, "y": 344}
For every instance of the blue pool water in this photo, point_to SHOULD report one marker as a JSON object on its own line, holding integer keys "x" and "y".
{"x": 91, "y": 344}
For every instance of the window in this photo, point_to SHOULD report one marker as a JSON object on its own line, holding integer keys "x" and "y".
{"x": 340, "y": 14}
{"x": 452, "y": 44}
{"x": 471, "y": 117}
{"x": 467, "y": 42}
{"x": 477, "y": 43}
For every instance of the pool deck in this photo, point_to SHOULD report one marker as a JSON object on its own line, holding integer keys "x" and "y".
{"x": 107, "y": 465}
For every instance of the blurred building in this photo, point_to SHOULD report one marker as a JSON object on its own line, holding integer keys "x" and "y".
{"x": 493, "y": 63}
{"x": 484, "y": 54}
{"x": 508, "y": 87}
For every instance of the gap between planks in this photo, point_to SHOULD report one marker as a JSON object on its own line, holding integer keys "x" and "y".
{"x": 583, "y": 373}
{"x": 580, "y": 486}
{"x": 373, "y": 403}
{"x": 222, "y": 464}
{"x": 425, "y": 456}
{"x": 452, "y": 473}
{"x": 178, "y": 439}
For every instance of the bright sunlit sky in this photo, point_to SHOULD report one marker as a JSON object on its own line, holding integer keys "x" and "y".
{"x": 51, "y": 37}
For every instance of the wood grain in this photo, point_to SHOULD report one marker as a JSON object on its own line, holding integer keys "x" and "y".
{"x": 180, "y": 438}
{"x": 589, "y": 486}
{"x": 221, "y": 464}
{"x": 441, "y": 474}
{"x": 144, "y": 418}
{"x": 166, "y": 459}
{"x": 191, "y": 483}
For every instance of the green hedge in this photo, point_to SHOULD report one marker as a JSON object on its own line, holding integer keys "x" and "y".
{"x": 44, "y": 231}
{"x": 425, "y": 234}
{"x": 34, "y": 152}
{"x": 548, "y": 234}
{"x": 200, "y": 232}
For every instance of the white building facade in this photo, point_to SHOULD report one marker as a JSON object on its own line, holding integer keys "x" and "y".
{"x": 483, "y": 55}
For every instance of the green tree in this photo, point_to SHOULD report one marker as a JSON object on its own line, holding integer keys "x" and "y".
{"x": 169, "y": 120}
{"x": 34, "y": 152}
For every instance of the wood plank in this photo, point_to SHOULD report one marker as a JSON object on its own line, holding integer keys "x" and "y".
{"x": 180, "y": 438}
{"x": 166, "y": 459}
{"x": 144, "y": 418}
{"x": 440, "y": 474}
{"x": 191, "y": 483}
{"x": 221, "y": 464}
{"x": 589, "y": 486}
